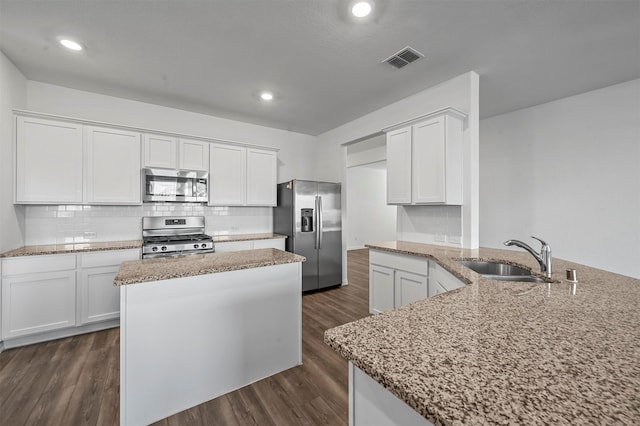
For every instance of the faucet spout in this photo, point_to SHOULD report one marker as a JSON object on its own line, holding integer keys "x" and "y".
{"x": 544, "y": 258}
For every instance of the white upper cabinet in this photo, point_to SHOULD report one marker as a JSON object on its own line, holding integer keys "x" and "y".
{"x": 193, "y": 155}
{"x": 398, "y": 171}
{"x": 48, "y": 161}
{"x": 228, "y": 175}
{"x": 241, "y": 176}
{"x": 424, "y": 160}
{"x": 262, "y": 169}
{"x": 167, "y": 152}
{"x": 112, "y": 166}
{"x": 159, "y": 151}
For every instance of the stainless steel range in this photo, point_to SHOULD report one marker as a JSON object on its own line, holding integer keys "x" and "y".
{"x": 164, "y": 236}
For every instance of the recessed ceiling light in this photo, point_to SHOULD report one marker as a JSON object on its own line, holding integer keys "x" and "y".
{"x": 266, "y": 96}
{"x": 70, "y": 44}
{"x": 361, "y": 9}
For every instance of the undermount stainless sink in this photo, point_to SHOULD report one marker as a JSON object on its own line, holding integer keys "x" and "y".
{"x": 500, "y": 271}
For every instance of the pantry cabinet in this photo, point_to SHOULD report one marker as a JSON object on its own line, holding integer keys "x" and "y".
{"x": 48, "y": 161}
{"x": 241, "y": 176}
{"x": 424, "y": 160}
{"x": 112, "y": 166}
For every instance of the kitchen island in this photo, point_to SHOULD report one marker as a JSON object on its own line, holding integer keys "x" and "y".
{"x": 195, "y": 327}
{"x": 500, "y": 352}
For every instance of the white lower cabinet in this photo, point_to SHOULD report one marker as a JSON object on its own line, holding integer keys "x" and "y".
{"x": 52, "y": 296}
{"x": 396, "y": 280}
{"x": 34, "y": 303}
{"x": 99, "y": 299}
{"x": 223, "y": 247}
{"x": 381, "y": 289}
{"x": 410, "y": 287}
{"x": 441, "y": 280}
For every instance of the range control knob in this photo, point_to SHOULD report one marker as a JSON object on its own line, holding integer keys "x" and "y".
{"x": 195, "y": 246}
{"x": 163, "y": 248}
{"x": 154, "y": 249}
{"x": 203, "y": 245}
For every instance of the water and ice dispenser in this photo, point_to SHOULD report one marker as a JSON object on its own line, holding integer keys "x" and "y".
{"x": 307, "y": 220}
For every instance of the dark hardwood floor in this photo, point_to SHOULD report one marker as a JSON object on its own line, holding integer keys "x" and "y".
{"x": 75, "y": 381}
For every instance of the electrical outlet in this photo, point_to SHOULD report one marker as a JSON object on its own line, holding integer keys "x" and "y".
{"x": 89, "y": 235}
{"x": 454, "y": 239}
{"x": 441, "y": 238}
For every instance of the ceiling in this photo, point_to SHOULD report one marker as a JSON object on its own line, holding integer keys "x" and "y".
{"x": 215, "y": 56}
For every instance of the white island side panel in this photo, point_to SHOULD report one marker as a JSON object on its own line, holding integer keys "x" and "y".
{"x": 188, "y": 340}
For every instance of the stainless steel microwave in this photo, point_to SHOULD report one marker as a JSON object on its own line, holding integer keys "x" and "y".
{"x": 176, "y": 186}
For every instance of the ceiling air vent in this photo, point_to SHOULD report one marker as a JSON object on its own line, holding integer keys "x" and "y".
{"x": 403, "y": 57}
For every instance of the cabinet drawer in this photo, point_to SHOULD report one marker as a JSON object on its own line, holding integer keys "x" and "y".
{"x": 415, "y": 264}
{"x": 107, "y": 258}
{"x": 33, "y": 264}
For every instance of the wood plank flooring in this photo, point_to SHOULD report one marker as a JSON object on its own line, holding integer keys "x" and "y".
{"x": 75, "y": 381}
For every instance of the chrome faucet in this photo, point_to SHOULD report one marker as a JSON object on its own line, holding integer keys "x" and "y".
{"x": 544, "y": 258}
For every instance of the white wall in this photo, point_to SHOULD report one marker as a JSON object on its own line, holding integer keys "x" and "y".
{"x": 461, "y": 93}
{"x": 569, "y": 172}
{"x": 13, "y": 94}
{"x": 369, "y": 217}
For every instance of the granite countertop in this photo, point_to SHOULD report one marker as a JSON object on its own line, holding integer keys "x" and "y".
{"x": 497, "y": 352}
{"x": 72, "y": 248}
{"x": 246, "y": 237}
{"x": 139, "y": 271}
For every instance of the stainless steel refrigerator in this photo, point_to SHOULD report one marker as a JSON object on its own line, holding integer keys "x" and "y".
{"x": 309, "y": 214}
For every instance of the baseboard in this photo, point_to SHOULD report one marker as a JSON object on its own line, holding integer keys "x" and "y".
{"x": 57, "y": 334}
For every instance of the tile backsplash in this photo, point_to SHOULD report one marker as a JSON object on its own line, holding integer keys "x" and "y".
{"x": 441, "y": 225}
{"x": 73, "y": 224}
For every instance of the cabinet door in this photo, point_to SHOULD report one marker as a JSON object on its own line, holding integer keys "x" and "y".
{"x": 99, "y": 298}
{"x": 262, "y": 168}
{"x": 381, "y": 289}
{"x": 441, "y": 280}
{"x": 48, "y": 161}
{"x": 429, "y": 161}
{"x": 399, "y": 166}
{"x": 159, "y": 151}
{"x": 227, "y": 175}
{"x": 194, "y": 155}
{"x": 33, "y": 303}
{"x": 113, "y": 166}
{"x": 409, "y": 287}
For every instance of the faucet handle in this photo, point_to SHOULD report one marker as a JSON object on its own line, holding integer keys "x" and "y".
{"x": 543, "y": 243}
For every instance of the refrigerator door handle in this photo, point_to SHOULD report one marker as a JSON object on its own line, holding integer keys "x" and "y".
{"x": 320, "y": 224}
{"x": 316, "y": 229}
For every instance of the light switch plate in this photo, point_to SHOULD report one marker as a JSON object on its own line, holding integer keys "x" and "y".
{"x": 454, "y": 239}
{"x": 441, "y": 238}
